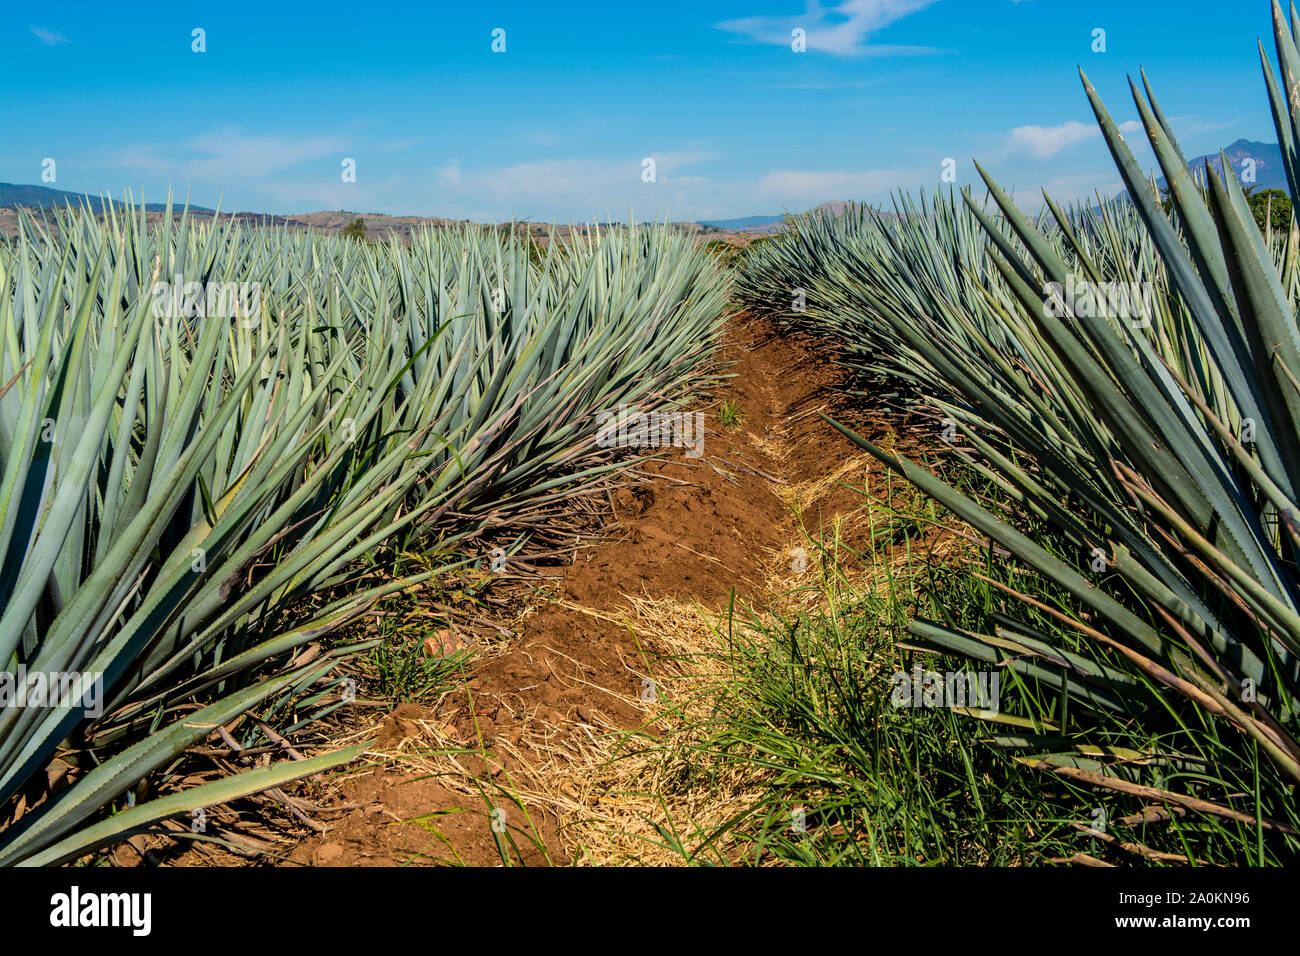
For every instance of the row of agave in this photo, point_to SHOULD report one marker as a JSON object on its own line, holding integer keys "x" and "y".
{"x": 1146, "y": 468}
{"x": 186, "y": 499}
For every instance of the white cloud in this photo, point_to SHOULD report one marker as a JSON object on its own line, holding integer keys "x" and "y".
{"x": 587, "y": 187}
{"x": 842, "y": 30}
{"x": 569, "y": 189}
{"x": 227, "y": 157}
{"x": 48, "y": 37}
{"x": 1040, "y": 142}
{"x": 230, "y": 155}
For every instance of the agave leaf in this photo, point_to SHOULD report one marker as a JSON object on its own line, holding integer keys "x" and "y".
{"x": 134, "y": 820}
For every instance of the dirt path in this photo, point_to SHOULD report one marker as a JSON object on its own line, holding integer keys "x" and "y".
{"x": 695, "y": 530}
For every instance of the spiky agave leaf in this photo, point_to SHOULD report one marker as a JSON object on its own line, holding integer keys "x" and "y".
{"x": 1167, "y": 446}
{"x": 172, "y": 487}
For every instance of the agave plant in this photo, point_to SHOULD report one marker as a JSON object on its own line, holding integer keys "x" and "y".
{"x": 1144, "y": 467}
{"x": 174, "y": 487}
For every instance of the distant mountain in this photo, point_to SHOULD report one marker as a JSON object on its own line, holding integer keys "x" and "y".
{"x": 1268, "y": 170}
{"x": 745, "y": 222}
{"x": 835, "y": 207}
{"x": 43, "y": 197}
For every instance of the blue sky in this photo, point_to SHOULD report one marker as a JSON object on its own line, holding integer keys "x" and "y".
{"x": 557, "y": 126}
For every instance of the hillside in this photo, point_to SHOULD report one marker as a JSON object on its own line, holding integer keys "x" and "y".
{"x": 1269, "y": 172}
{"x": 13, "y": 195}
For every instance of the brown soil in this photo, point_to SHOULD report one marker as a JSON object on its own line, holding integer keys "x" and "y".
{"x": 692, "y": 529}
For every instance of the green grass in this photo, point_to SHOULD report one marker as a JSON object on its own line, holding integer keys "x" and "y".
{"x": 401, "y": 671}
{"x": 730, "y": 414}
{"x": 802, "y": 710}
{"x": 727, "y": 253}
